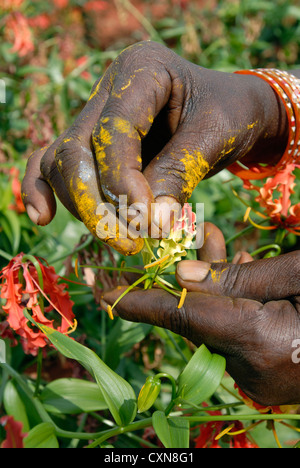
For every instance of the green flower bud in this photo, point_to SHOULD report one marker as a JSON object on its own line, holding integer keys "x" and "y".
{"x": 148, "y": 394}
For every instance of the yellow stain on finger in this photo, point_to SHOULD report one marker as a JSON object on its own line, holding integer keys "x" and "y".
{"x": 195, "y": 169}
{"x": 216, "y": 275}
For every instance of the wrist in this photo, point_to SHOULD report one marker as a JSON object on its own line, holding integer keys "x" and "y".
{"x": 274, "y": 128}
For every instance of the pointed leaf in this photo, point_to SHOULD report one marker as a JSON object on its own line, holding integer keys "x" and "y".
{"x": 72, "y": 396}
{"x": 202, "y": 376}
{"x": 118, "y": 394}
{"x": 173, "y": 432}
{"x": 41, "y": 436}
{"x": 14, "y": 405}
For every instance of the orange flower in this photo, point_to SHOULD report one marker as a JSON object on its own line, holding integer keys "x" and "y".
{"x": 21, "y": 289}
{"x": 61, "y": 3}
{"x": 14, "y": 435}
{"x": 95, "y": 5}
{"x": 280, "y": 209}
{"x": 265, "y": 409}
{"x": 209, "y": 432}
{"x": 17, "y": 27}
{"x": 18, "y": 204}
{"x": 9, "y": 5}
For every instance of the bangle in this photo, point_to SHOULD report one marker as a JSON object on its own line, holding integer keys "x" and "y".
{"x": 287, "y": 88}
{"x": 280, "y": 177}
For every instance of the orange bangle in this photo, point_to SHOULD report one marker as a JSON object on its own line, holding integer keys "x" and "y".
{"x": 287, "y": 87}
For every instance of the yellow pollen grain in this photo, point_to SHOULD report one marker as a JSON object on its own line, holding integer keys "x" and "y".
{"x": 216, "y": 275}
{"x": 250, "y": 126}
{"x": 105, "y": 136}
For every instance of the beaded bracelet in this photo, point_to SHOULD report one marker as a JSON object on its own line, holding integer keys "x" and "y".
{"x": 287, "y": 87}
{"x": 280, "y": 176}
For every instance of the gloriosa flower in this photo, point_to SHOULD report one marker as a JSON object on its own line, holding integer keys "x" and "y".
{"x": 18, "y": 28}
{"x": 169, "y": 251}
{"x": 18, "y": 204}
{"x": 14, "y": 434}
{"x": 211, "y": 432}
{"x": 265, "y": 409}
{"x": 280, "y": 210}
{"x": 172, "y": 249}
{"x": 21, "y": 289}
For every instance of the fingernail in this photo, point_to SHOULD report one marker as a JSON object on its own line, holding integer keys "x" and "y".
{"x": 166, "y": 209}
{"x": 33, "y": 214}
{"x": 193, "y": 271}
{"x": 237, "y": 258}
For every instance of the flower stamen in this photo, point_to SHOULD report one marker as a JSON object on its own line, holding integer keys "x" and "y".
{"x": 182, "y": 298}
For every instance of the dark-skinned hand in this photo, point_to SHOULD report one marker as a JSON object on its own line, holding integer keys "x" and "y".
{"x": 153, "y": 127}
{"x": 247, "y": 311}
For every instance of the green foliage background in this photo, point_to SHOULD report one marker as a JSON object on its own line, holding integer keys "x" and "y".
{"x": 46, "y": 90}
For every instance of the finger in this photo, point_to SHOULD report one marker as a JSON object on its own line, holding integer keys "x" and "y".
{"x": 140, "y": 91}
{"x": 37, "y": 195}
{"x": 242, "y": 257}
{"x": 213, "y": 249}
{"x": 264, "y": 280}
{"x": 70, "y": 165}
{"x": 203, "y": 318}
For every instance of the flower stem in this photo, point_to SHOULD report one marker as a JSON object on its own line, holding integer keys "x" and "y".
{"x": 39, "y": 372}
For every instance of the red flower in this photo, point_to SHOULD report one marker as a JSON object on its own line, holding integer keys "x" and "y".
{"x": 17, "y": 27}
{"x": 280, "y": 209}
{"x": 20, "y": 288}
{"x": 209, "y": 431}
{"x": 18, "y": 204}
{"x": 265, "y": 409}
{"x": 95, "y": 5}
{"x": 9, "y": 5}
{"x": 41, "y": 21}
{"x": 82, "y": 61}
{"x": 14, "y": 435}
{"x": 61, "y": 3}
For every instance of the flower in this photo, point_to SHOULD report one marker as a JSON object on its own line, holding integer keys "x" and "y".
{"x": 21, "y": 288}
{"x": 280, "y": 210}
{"x": 148, "y": 394}
{"x": 211, "y": 432}
{"x": 81, "y": 62}
{"x": 18, "y": 204}
{"x": 17, "y": 26}
{"x": 181, "y": 236}
{"x": 265, "y": 409}
{"x": 14, "y": 435}
{"x": 8, "y": 5}
{"x": 95, "y": 5}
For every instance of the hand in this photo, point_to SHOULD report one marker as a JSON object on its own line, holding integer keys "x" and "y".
{"x": 153, "y": 127}
{"x": 247, "y": 311}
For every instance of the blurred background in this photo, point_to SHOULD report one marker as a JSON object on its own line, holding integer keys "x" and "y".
{"x": 52, "y": 52}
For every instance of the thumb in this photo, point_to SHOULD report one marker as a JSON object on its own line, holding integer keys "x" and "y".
{"x": 262, "y": 280}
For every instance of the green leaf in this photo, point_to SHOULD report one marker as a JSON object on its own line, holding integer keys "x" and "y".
{"x": 173, "y": 432}
{"x": 14, "y": 405}
{"x": 118, "y": 394}
{"x": 121, "y": 339}
{"x": 72, "y": 396}
{"x": 41, "y": 436}
{"x": 201, "y": 377}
